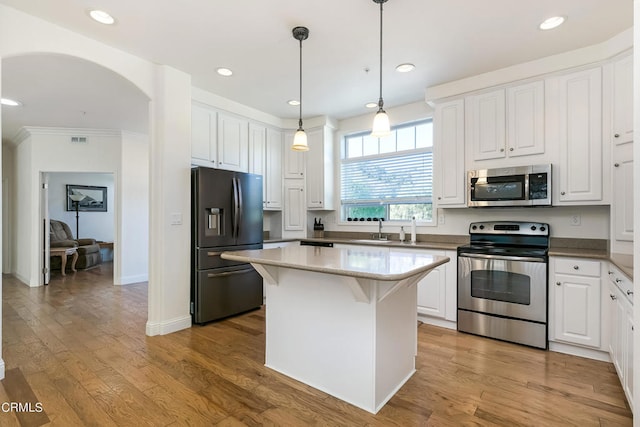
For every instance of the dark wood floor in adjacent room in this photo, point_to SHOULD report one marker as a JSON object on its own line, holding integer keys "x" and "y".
{"x": 79, "y": 347}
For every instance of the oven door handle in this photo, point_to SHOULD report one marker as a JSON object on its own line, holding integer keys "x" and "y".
{"x": 502, "y": 257}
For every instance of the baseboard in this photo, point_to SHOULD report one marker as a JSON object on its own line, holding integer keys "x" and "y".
{"x": 25, "y": 280}
{"x": 437, "y": 322}
{"x": 169, "y": 326}
{"x": 575, "y": 350}
{"x": 129, "y": 280}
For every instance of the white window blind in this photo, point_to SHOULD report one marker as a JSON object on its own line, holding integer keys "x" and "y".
{"x": 396, "y": 178}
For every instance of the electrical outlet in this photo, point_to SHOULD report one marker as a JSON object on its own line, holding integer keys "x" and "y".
{"x": 575, "y": 219}
{"x": 441, "y": 218}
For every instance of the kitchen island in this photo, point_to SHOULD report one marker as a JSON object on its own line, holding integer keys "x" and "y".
{"x": 342, "y": 320}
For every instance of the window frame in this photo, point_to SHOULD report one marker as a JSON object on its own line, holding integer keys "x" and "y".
{"x": 343, "y": 154}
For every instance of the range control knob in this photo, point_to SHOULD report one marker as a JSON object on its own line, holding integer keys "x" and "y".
{"x": 533, "y": 228}
{"x": 482, "y": 227}
{"x": 473, "y": 227}
{"x": 543, "y": 229}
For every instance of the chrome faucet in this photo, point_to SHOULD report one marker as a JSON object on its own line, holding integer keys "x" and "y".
{"x": 379, "y": 236}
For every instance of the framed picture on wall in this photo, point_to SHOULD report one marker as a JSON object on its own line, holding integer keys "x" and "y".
{"x": 90, "y": 198}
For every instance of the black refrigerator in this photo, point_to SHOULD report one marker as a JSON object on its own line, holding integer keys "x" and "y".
{"x": 226, "y": 215}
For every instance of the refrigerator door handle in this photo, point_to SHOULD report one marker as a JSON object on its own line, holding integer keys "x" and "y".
{"x": 236, "y": 218}
{"x": 240, "y": 213}
{"x": 229, "y": 273}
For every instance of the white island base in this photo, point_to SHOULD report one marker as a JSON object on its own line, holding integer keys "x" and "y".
{"x": 343, "y": 321}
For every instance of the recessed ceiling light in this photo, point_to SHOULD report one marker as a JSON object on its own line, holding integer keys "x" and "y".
{"x": 224, "y": 71}
{"x": 9, "y": 102}
{"x": 293, "y": 102}
{"x": 371, "y": 105}
{"x": 405, "y": 68}
{"x": 102, "y": 17}
{"x": 551, "y": 23}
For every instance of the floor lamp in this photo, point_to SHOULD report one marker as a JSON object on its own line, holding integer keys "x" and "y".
{"x": 76, "y": 200}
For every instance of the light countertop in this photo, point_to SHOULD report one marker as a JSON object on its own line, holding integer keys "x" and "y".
{"x": 580, "y": 250}
{"x": 370, "y": 262}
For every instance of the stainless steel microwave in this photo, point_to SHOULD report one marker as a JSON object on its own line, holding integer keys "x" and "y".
{"x": 504, "y": 187}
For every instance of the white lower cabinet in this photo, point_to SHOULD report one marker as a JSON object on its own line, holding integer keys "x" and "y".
{"x": 437, "y": 291}
{"x": 575, "y": 293}
{"x": 620, "y": 292}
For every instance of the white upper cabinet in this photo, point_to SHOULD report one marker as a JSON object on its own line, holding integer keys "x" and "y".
{"x": 233, "y": 143}
{"x": 577, "y": 129}
{"x": 273, "y": 166}
{"x": 203, "y": 136}
{"x": 257, "y": 147}
{"x": 622, "y": 103}
{"x": 450, "y": 175}
{"x": 622, "y": 202}
{"x": 525, "y": 119}
{"x": 293, "y": 160}
{"x": 265, "y": 158}
{"x": 319, "y": 169}
{"x": 506, "y": 122}
{"x": 485, "y": 118}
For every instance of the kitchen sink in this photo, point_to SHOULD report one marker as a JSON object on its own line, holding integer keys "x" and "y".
{"x": 371, "y": 241}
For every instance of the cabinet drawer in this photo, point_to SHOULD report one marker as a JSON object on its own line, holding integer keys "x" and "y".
{"x": 577, "y": 266}
{"x": 621, "y": 281}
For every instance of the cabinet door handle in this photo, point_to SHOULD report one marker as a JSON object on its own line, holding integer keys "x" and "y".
{"x": 617, "y": 165}
{"x": 575, "y": 267}
{"x": 613, "y": 297}
{"x": 558, "y": 284}
{"x": 617, "y": 135}
{"x": 511, "y": 149}
{"x": 629, "y": 293}
{"x": 502, "y": 150}
{"x": 618, "y": 280}
{"x": 562, "y": 193}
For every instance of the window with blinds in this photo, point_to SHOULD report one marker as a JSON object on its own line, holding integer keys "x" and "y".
{"x": 389, "y": 178}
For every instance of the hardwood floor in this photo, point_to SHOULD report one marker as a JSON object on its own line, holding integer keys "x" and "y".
{"x": 78, "y": 347}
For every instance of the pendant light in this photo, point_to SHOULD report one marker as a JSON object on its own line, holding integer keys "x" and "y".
{"x": 300, "y": 137}
{"x": 381, "y": 126}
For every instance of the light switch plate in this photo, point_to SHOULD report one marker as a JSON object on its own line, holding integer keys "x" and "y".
{"x": 176, "y": 219}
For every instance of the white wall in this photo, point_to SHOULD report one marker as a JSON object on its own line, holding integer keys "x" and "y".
{"x": 50, "y": 150}
{"x": 113, "y": 159}
{"x": 7, "y": 208}
{"x": 95, "y": 225}
{"x": 132, "y": 242}
{"x": 636, "y": 210}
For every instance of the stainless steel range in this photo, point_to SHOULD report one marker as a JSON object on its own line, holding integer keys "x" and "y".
{"x": 502, "y": 282}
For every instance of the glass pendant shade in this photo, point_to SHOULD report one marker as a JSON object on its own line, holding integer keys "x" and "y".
{"x": 300, "y": 141}
{"x": 381, "y": 126}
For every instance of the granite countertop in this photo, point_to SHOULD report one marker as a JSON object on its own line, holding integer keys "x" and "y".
{"x": 440, "y": 245}
{"x": 377, "y": 263}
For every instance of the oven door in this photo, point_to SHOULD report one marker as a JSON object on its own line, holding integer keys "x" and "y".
{"x": 509, "y": 286}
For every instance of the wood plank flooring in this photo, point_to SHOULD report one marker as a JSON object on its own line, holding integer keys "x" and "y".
{"x": 80, "y": 347}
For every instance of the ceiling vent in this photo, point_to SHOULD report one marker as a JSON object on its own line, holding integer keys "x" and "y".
{"x": 78, "y": 139}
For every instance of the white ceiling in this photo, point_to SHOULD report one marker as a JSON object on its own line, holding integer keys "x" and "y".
{"x": 445, "y": 39}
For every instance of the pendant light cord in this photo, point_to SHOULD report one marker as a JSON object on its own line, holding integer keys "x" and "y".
{"x": 300, "y": 107}
{"x": 380, "y": 101}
